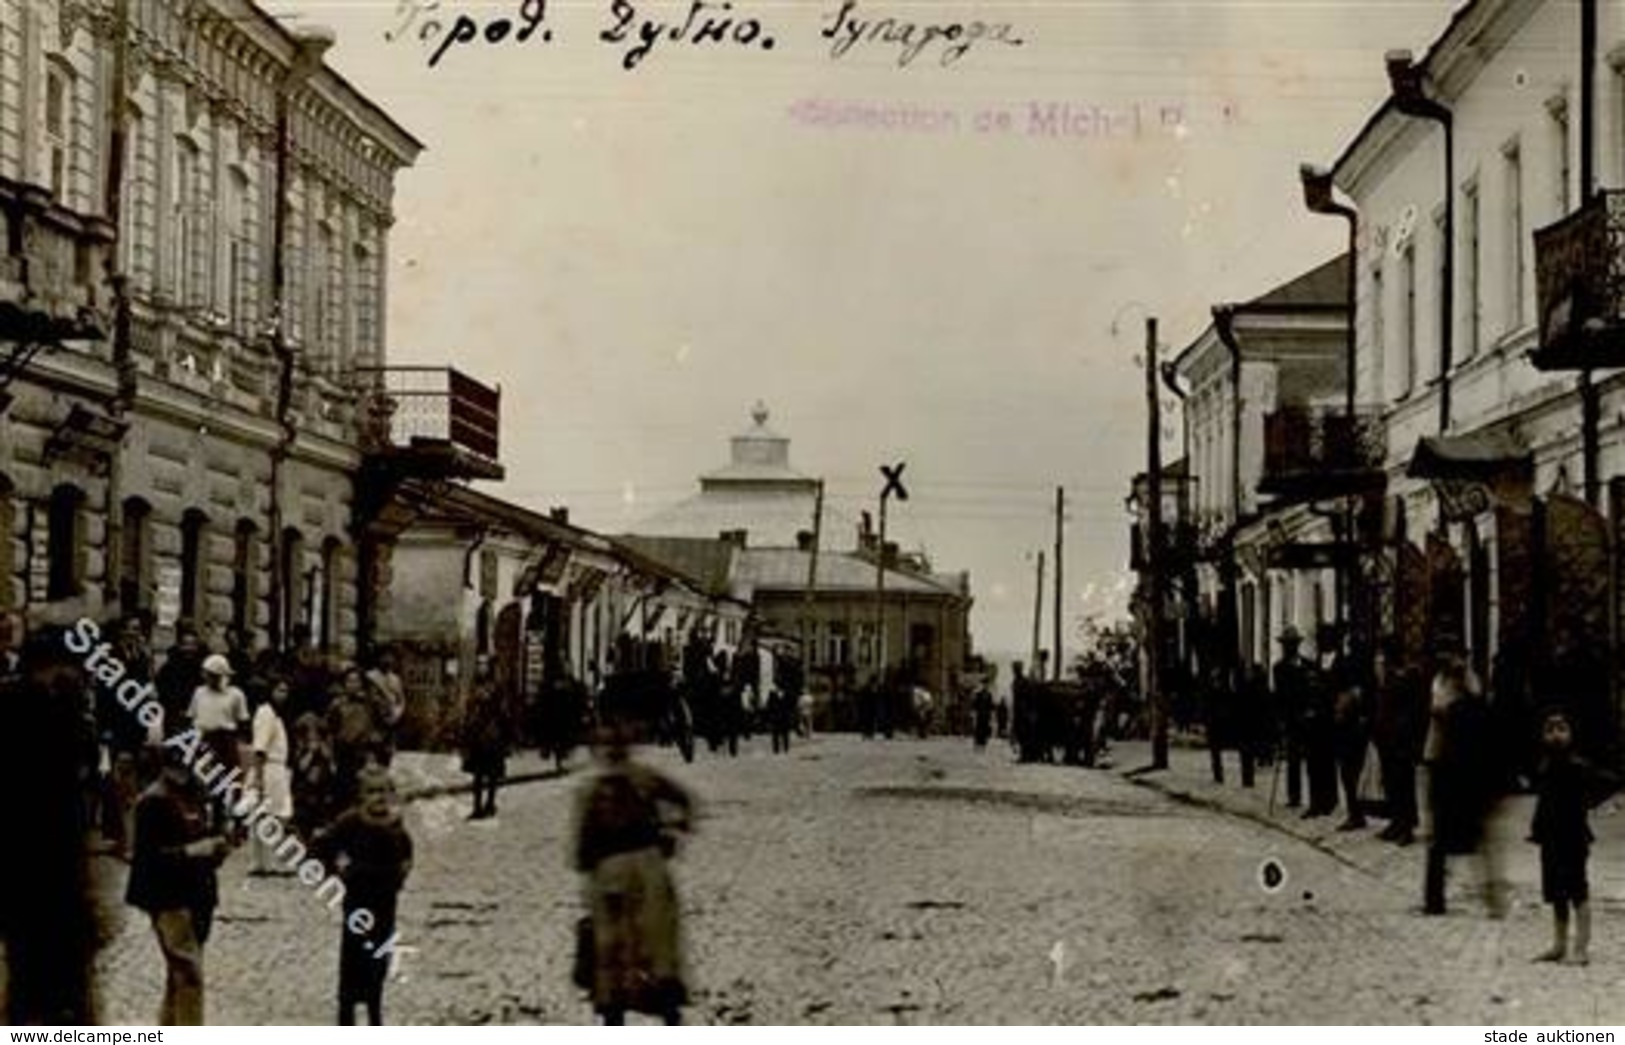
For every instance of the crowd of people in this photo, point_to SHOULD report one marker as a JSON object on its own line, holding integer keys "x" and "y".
{"x": 1316, "y": 721}
{"x": 299, "y": 733}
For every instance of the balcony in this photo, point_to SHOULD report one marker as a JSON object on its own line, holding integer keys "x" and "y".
{"x": 430, "y": 422}
{"x": 1316, "y": 452}
{"x": 1179, "y": 547}
{"x": 1580, "y": 285}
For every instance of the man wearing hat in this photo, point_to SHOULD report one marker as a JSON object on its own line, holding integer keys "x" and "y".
{"x": 219, "y": 712}
{"x": 1294, "y": 683}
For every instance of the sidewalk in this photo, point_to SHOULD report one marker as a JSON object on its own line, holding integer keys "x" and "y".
{"x": 1189, "y": 778}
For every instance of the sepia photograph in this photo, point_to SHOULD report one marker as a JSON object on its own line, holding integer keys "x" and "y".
{"x": 768, "y": 513}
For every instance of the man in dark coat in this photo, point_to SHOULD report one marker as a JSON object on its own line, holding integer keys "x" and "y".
{"x": 1458, "y": 792}
{"x": 1294, "y": 682}
{"x": 180, "y": 676}
{"x": 1399, "y": 730}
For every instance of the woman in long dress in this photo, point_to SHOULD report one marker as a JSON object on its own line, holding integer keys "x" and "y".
{"x": 272, "y": 780}
{"x": 626, "y": 815}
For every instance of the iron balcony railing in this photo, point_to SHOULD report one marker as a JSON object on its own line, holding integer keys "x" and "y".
{"x": 1322, "y": 451}
{"x": 416, "y": 406}
{"x": 1580, "y": 286}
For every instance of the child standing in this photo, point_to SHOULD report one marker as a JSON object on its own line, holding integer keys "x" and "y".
{"x": 1568, "y": 788}
{"x": 370, "y": 851}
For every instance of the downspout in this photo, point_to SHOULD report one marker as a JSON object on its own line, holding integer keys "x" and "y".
{"x": 1224, "y": 320}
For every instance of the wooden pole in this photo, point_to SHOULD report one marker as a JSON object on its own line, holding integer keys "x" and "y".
{"x": 1155, "y": 695}
{"x": 1060, "y": 511}
{"x": 1038, "y": 618}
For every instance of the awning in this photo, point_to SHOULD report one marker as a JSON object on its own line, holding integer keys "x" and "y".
{"x": 1481, "y": 457}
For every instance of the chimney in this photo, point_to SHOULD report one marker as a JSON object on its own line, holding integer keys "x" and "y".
{"x": 559, "y": 515}
{"x": 734, "y": 537}
{"x": 804, "y": 540}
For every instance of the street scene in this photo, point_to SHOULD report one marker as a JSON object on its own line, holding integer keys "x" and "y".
{"x": 917, "y": 882}
{"x": 682, "y": 512}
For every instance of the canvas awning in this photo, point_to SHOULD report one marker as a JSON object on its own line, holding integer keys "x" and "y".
{"x": 1481, "y": 457}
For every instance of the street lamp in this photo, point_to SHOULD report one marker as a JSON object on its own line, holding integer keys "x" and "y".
{"x": 1410, "y": 99}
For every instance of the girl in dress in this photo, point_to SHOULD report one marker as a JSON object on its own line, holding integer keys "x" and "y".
{"x": 271, "y": 780}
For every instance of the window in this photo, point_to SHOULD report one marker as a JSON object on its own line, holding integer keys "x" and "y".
{"x": 242, "y": 578}
{"x": 1471, "y": 241}
{"x": 1558, "y": 107}
{"x": 239, "y": 253}
{"x": 1407, "y": 319}
{"x": 193, "y": 533}
{"x": 65, "y": 543}
{"x": 327, "y": 615}
{"x": 183, "y": 226}
{"x": 58, "y": 129}
{"x": 1378, "y": 310}
{"x": 838, "y": 644}
{"x": 1445, "y": 319}
{"x": 295, "y": 623}
{"x": 1516, "y": 257}
{"x": 321, "y": 259}
{"x": 135, "y": 546}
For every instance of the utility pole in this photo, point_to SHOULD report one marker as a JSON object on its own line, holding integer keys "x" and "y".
{"x": 1590, "y": 400}
{"x": 894, "y": 485}
{"x": 812, "y": 582}
{"x": 1060, "y": 511}
{"x": 1157, "y": 699}
{"x": 1038, "y": 617}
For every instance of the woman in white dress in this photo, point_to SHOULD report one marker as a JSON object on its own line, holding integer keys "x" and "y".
{"x": 271, "y": 779}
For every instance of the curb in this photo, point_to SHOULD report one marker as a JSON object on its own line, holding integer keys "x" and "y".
{"x": 1141, "y": 777}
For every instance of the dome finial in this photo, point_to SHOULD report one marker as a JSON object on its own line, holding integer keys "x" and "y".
{"x": 758, "y": 413}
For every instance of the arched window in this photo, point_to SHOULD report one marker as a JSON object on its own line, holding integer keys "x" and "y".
{"x": 327, "y": 601}
{"x": 293, "y": 609}
{"x": 134, "y": 561}
{"x": 194, "y": 528}
{"x": 65, "y": 543}
{"x": 242, "y": 578}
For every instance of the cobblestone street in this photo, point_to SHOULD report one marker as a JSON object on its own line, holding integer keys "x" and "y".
{"x": 916, "y": 882}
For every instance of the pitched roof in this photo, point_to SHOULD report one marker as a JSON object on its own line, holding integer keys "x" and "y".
{"x": 708, "y": 562}
{"x": 779, "y": 569}
{"x": 1324, "y": 286}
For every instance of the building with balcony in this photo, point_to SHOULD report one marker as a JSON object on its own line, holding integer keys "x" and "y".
{"x": 1269, "y": 436}
{"x": 188, "y": 447}
{"x": 1489, "y": 540}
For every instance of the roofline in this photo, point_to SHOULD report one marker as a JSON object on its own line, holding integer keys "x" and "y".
{"x": 353, "y": 93}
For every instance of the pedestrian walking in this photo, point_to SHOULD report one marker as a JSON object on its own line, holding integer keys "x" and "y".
{"x": 628, "y": 817}
{"x": 1567, "y": 787}
{"x": 485, "y": 742}
{"x": 178, "y": 847}
{"x": 370, "y": 850}
{"x": 179, "y": 677}
{"x": 352, "y": 725}
{"x": 387, "y": 692}
{"x": 1351, "y": 735}
{"x": 981, "y": 715}
{"x": 219, "y": 713}
{"x": 125, "y": 738}
{"x": 1399, "y": 730}
{"x": 315, "y": 776}
{"x": 271, "y": 778}
{"x": 1293, "y": 686}
{"x": 1458, "y": 797}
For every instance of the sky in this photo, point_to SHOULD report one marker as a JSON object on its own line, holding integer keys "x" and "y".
{"x": 946, "y": 259}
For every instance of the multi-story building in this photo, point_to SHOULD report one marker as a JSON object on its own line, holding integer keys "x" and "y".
{"x": 189, "y": 447}
{"x": 1487, "y": 524}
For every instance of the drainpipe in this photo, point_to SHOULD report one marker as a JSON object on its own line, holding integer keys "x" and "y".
{"x": 312, "y": 45}
{"x": 1224, "y": 324}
